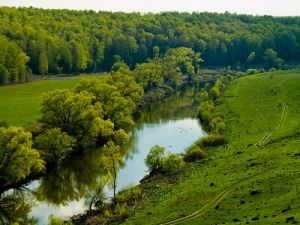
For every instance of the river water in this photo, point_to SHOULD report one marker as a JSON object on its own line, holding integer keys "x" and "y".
{"x": 170, "y": 123}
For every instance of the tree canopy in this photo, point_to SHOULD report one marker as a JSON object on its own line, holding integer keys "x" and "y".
{"x": 44, "y": 41}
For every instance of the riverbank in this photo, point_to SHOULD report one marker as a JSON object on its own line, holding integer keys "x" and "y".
{"x": 240, "y": 182}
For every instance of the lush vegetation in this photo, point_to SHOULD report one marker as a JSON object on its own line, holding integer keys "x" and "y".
{"x": 62, "y": 41}
{"x": 96, "y": 114}
{"x": 239, "y": 182}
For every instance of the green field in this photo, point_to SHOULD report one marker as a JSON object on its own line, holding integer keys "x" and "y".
{"x": 19, "y": 104}
{"x": 255, "y": 179}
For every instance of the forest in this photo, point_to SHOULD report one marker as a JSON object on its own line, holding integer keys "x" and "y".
{"x": 41, "y": 41}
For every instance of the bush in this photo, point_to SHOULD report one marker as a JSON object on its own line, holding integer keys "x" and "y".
{"x": 217, "y": 125}
{"x": 154, "y": 158}
{"x": 215, "y": 93}
{"x": 194, "y": 153}
{"x": 205, "y": 111}
{"x": 172, "y": 164}
{"x": 251, "y": 71}
{"x": 129, "y": 194}
{"x": 212, "y": 140}
{"x": 121, "y": 210}
{"x": 57, "y": 221}
{"x": 272, "y": 69}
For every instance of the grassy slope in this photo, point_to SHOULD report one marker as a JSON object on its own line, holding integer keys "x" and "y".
{"x": 19, "y": 104}
{"x": 242, "y": 183}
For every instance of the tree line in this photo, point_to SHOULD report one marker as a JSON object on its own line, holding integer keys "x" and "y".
{"x": 43, "y": 41}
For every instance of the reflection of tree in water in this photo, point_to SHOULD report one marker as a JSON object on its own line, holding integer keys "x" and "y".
{"x": 74, "y": 178}
{"x": 180, "y": 105}
{"x": 78, "y": 175}
{"x": 14, "y": 209}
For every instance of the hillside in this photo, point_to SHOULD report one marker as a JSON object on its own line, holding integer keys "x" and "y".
{"x": 255, "y": 179}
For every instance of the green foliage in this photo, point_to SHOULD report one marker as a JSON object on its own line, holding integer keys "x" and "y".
{"x": 12, "y": 62}
{"x": 43, "y": 63}
{"x": 251, "y": 71}
{"x": 129, "y": 195}
{"x": 172, "y": 164}
{"x": 80, "y": 57}
{"x": 15, "y": 209}
{"x": 75, "y": 114}
{"x": 87, "y": 41}
{"x": 54, "y": 145}
{"x": 117, "y": 94}
{"x": 205, "y": 111}
{"x": 57, "y": 221}
{"x": 217, "y": 125}
{"x": 272, "y": 59}
{"x": 149, "y": 75}
{"x": 112, "y": 159}
{"x": 154, "y": 158}
{"x": 122, "y": 210}
{"x": 194, "y": 153}
{"x": 212, "y": 122}
{"x": 211, "y": 140}
{"x": 18, "y": 158}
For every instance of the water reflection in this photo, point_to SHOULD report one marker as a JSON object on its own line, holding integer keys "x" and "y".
{"x": 170, "y": 123}
{"x": 15, "y": 208}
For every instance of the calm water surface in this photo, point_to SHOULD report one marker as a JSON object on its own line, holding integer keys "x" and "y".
{"x": 170, "y": 123}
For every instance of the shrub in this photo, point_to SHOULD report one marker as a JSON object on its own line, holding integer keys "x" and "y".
{"x": 204, "y": 96}
{"x": 205, "y": 111}
{"x": 251, "y": 71}
{"x": 194, "y": 153}
{"x": 172, "y": 164}
{"x": 211, "y": 140}
{"x": 272, "y": 69}
{"x": 154, "y": 158}
{"x": 217, "y": 125}
{"x": 121, "y": 210}
{"x": 129, "y": 194}
{"x": 57, "y": 221}
{"x": 215, "y": 92}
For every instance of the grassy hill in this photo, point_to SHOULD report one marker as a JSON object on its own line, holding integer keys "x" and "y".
{"x": 19, "y": 104}
{"x": 253, "y": 180}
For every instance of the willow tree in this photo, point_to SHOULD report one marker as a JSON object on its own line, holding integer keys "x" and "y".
{"x": 18, "y": 159}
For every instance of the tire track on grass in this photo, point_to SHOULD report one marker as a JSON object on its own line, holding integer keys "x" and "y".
{"x": 213, "y": 202}
{"x": 267, "y": 136}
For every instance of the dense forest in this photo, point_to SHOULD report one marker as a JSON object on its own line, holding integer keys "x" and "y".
{"x": 38, "y": 41}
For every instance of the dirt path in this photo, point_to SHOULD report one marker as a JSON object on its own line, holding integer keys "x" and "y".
{"x": 212, "y": 203}
{"x": 267, "y": 136}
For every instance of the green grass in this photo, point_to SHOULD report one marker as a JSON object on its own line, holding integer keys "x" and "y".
{"x": 19, "y": 104}
{"x": 241, "y": 183}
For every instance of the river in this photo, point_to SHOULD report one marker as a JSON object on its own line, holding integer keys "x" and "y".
{"x": 170, "y": 123}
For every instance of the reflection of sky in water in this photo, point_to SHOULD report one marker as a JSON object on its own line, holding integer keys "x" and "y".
{"x": 174, "y": 135}
{"x": 42, "y": 210}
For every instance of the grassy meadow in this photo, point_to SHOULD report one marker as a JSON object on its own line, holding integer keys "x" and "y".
{"x": 255, "y": 179}
{"x": 20, "y": 103}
